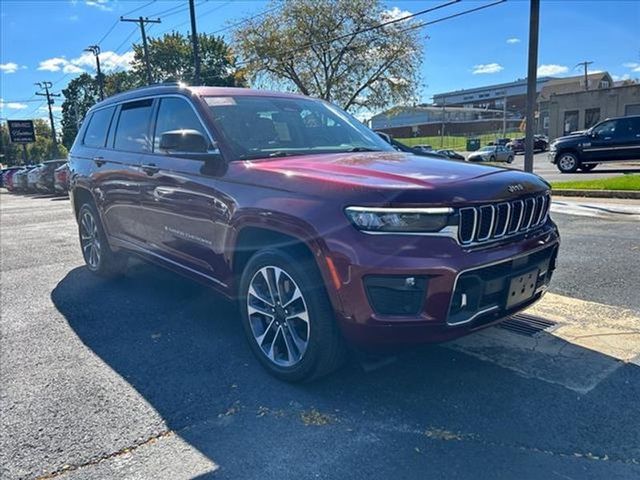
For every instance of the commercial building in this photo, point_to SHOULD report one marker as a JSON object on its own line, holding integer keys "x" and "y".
{"x": 428, "y": 120}
{"x": 562, "y": 113}
{"x": 492, "y": 96}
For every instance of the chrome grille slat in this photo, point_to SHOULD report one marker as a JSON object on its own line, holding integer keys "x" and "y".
{"x": 485, "y": 223}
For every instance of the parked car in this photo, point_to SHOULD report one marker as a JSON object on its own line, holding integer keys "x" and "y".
{"x": 32, "y": 178}
{"x": 450, "y": 154}
{"x": 401, "y": 147}
{"x": 540, "y": 143}
{"x": 323, "y": 232}
{"x": 495, "y": 153}
{"x": 7, "y": 176}
{"x": 500, "y": 141}
{"x": 20, "y": 179}
{"x": 423, "y": 147}
{"x": 612, "y": 140}
{"x": 45, "y": 180}
{"x": 61, "y": 179}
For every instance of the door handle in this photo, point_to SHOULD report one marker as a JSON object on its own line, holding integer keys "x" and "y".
{"x": 99, "y": 161}
{"x": 150, "y": 168}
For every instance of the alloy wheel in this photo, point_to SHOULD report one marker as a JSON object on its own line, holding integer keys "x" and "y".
{"x": 278, "y": 316}
{"x": 89, "y": 240}
{"x": 567, "y": 162}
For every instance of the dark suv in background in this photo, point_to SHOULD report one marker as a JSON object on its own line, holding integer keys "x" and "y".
{"x": 323, "y": 232}
{"x": 612, "y": 140}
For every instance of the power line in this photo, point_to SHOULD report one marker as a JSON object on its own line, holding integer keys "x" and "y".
{"x": 141, "y": 21}
{"x": 368, "y": 29}
{"x": 139, "y": 8}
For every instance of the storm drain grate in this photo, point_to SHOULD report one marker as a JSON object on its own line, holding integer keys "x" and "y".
{"x": 527, "y": 325}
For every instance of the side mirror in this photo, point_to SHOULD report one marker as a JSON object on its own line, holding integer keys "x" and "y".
{"x": 183, "y": 141}
{"x": 593, "y": 134}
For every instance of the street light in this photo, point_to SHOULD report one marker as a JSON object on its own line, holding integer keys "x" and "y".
{"x": 95, "y": 49}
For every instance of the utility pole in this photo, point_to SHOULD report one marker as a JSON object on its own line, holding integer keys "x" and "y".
{"x": 48, "y": 94}
{"x": 504, "y": 117}
{"x": 586, "y": 74}
{"x": 444, "y": 102}
{"x": 194, "y": 42}
{"x": 95, "y": 49}
{"x": 141, "y": 21}
{"x": 532, "y": 81}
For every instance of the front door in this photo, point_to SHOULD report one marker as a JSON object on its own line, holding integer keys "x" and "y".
{"x": 602, "y": 144}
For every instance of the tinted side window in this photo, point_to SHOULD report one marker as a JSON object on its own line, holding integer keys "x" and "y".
{"x": 96, "y": 133}
{"x": 132, "y": 132}
{"x": 176, "y": 114}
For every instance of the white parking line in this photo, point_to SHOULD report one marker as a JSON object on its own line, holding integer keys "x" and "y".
{"x": 590, "y": 341}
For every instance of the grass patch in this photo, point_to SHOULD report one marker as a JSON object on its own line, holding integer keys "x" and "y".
{"x": 624, "y": 182}
{"x": 455, "y": 142}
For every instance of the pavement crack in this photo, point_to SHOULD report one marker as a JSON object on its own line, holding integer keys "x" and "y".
{"x": 97, "y": 460}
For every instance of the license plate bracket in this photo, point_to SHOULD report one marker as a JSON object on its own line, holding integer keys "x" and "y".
{"x": 522, "y": 288}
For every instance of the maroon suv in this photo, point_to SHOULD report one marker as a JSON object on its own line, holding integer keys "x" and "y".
{"x": 324, "y": 233}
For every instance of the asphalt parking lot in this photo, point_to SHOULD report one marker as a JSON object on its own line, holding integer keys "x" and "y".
{"x": 149, "y": 376}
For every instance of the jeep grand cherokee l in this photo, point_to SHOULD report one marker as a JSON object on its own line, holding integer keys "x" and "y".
{"x": 612, "y": 140}
{"x": 324, "y": 234}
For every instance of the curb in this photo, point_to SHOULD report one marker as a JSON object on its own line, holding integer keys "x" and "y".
{"x": 565, "y": 192}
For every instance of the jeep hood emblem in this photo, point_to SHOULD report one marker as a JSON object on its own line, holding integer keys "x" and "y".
{"x": 516, "y": 187}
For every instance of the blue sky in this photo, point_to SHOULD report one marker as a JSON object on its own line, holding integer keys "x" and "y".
{"x": 44, "y": 40}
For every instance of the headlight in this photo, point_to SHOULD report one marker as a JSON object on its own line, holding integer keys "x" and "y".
{"x": 416, "y": 220}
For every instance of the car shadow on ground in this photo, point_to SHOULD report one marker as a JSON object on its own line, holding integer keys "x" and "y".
{"x": 181, "y": 346}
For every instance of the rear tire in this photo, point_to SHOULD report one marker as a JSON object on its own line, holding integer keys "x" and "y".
{"x": 288, "y": 318}
{"x": 510, "y": 159}
{"x": 98, "y": 256}
{"x": 567, "y": 162}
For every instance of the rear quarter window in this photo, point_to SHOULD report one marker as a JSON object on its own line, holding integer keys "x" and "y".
{"x": 96, "y": 133}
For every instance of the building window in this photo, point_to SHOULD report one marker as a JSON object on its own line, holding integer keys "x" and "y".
{"x": 570, "y": 121}
{"x": 633, "y": 109}
{"x": 604, "y": 84}
{"x": 591, "y": 117}
{"x": 545, "y": 123}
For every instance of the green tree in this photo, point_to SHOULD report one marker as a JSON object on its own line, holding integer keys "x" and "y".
{"x": 79, "y": 96}
{"x": 332, "y": 49}
{"x": 171, "y": 59}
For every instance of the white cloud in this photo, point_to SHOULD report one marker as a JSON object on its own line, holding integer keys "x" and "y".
{"x": 10, "y": 67}
{"x": 394, "y": 14}
{"x": 487, "y": 68}
{"x": 100, "y": 4}
{"x": 617, "y": 78}
{"x": 12, "y": 105}
{"x": 634, "y": 66}
{"x": 109, "y": 62}
{"x": 513, "y": 40}
{"x": 551, "y": 69}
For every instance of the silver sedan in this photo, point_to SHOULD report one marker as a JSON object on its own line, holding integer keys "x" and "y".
{"x": 493, "y": 153}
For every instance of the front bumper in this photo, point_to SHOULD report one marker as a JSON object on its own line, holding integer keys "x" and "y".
{"x": 483, "y": 274}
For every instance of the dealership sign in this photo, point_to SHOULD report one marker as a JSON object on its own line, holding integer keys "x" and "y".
{"x": 21, "y": 131}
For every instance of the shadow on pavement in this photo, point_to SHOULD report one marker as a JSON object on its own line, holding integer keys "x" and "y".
{"x": 181, "y": 346}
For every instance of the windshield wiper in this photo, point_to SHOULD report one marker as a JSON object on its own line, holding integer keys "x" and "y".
{"x": 364, "y": 149}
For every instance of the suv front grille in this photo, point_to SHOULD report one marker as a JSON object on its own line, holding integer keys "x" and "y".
{"x": 490, "y": 222}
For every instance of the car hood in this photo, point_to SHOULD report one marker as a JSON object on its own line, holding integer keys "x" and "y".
{"x": 573, "y": 137}
{"x": 386, "y": 176}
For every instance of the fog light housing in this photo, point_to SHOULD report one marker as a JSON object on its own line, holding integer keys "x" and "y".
{"x": 395, "y": 294}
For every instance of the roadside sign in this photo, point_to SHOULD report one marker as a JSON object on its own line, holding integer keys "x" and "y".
{"x": 21, "y": 131}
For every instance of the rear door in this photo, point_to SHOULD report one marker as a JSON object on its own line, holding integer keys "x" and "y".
{"x": 185, "y": 214}
{"x": 628, "y": 133}
{"x": 118, "y": 175}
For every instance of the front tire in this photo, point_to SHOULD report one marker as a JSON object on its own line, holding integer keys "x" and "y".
{"x": 98, "y": 256}
{"x": 568, "y": 162}
{"x": 492, "y": 158}
{"x": 288, "y": 318}
{"x": 510, "y": 159}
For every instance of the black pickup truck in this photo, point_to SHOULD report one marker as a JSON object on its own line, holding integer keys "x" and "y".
{"x": 612, "y": 140}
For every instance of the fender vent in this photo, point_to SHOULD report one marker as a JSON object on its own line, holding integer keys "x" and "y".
{"x": 528, "y": 325}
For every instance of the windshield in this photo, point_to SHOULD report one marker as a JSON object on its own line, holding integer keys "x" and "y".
{"x": 487, "y": 149}
{"x": 262, "y": 127}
